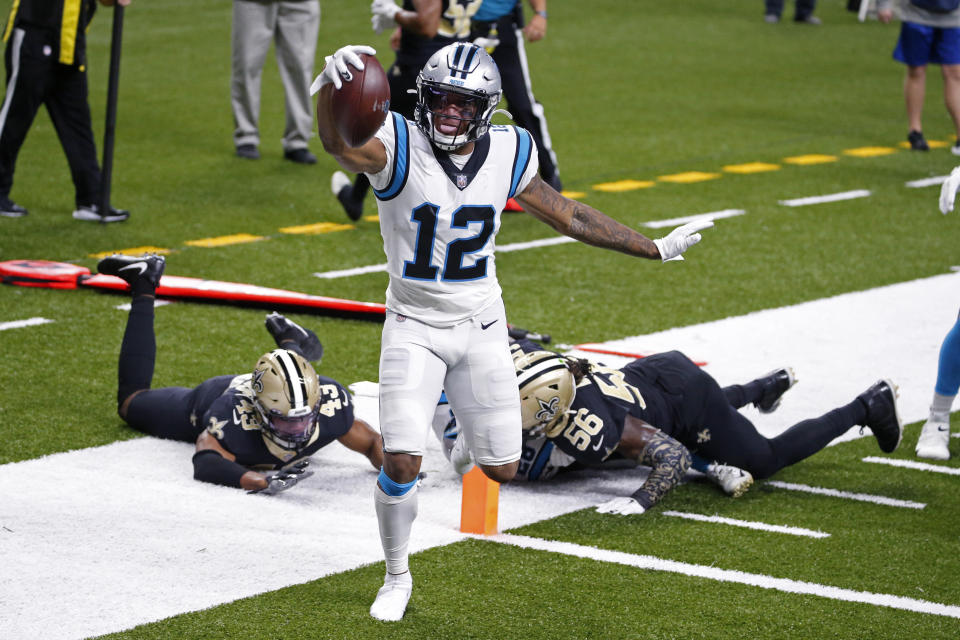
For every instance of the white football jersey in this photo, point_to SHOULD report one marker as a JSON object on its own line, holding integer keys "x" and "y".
{"x": 439, "y": 222}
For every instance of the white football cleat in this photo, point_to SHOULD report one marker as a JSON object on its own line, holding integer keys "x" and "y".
{"x": 733, "y": 480}
{"x": 392, "y": 598}
{"x": 934, "y": 441}
{"x": 460, "y": 456}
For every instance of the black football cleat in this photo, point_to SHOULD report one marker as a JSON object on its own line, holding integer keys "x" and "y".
{"x": 287, "y": 333}
{"x": 134, "y": 269}
{"x": 300, "y": 156}
{"x": 883, "y": 418}
{"x": 341, "y": 187}
{"x": 775, "y": 384}
{"x": 10, "y": 209}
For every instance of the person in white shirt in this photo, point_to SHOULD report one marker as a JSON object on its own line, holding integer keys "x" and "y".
{"x": 441, "y": 183}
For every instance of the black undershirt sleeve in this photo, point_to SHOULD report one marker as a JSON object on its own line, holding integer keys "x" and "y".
{"x": 210, "y": 466}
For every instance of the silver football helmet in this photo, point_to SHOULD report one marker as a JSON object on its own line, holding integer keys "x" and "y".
{"x": 287, "y": 397}
{"x": 460, "y": 75}
{"x": 547, "y": 389}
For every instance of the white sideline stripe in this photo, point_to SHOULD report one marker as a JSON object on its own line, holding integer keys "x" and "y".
{"x": 156, "y": 303}
{"x": 925, "y": 182}
{"x": 727, "y": 575}
{"x": 747, "y": 524}
{"x": 833, "y": 197}
{"x": 713, "y": 215}
{"x": 19, "y": 324}
{"x": 863, "y": 497}
{"x": 507, "y": 248}
{"x": 910, "y": 464}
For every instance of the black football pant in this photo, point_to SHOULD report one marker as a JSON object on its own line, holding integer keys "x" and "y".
{"x": 34, "y": 78}
{"x": 173, "y": 412}
{"x": 710, "y": 425}
{"x": 511, "y": 59}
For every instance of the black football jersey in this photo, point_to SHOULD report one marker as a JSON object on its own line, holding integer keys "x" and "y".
{"x": 604, "y": 398}
{"x": 235, "y": 422}
{"x": 454, "y": 26}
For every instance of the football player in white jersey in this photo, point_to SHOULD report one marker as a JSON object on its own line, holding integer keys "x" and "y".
{"x": 441, "y": 183}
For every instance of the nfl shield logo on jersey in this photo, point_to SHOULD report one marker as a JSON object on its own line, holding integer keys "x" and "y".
{"x": 461, "y": 181}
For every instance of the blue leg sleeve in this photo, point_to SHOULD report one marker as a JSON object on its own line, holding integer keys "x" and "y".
{"x": 948, "y": 369}
{"x": 391, "y": 488}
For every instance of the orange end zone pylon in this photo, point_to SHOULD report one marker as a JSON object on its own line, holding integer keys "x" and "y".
{"x": 478, "y": 504}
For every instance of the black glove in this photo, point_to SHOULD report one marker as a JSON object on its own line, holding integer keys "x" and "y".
{"x": 289, "y": 335}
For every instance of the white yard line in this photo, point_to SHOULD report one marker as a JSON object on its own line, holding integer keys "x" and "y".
{"x": 747, "y": 524}
{"x": 925, "y": 182}
{"x": 725, "y": 575}
{"x": 863, "y": 497}
{"x": 833, "y": 197}
{"x": 910, "y": 464}
{"x": 19, "y": 324}
{"x": 713, "y": 215}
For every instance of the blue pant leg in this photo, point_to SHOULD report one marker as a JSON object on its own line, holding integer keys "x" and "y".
{"x": 948, "y": 369}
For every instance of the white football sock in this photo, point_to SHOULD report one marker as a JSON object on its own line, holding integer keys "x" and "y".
{"x": 395, "y": 516}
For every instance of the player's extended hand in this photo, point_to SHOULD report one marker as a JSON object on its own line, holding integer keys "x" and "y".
{"x": 287, "y": 333}
{"x": 384, "y": 15}
{"x": 336, "y": 66}
{"x": 948, "y": 191}
{"x": 680, "y": 239}
{"x": 624, "y": 506}
{"x": 285, "y": 478}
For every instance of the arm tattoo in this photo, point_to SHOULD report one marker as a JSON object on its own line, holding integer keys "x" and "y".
{"x": 592, "y": 227}
{"x": 669, "y": 461}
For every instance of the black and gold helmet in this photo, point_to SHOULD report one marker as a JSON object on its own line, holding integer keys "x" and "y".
{"x": 547, "y": 389}
{"x": 287, "y": 397}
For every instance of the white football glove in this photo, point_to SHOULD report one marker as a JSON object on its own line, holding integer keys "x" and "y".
{"x": 948, "y": 191}
{"x": 624, "y": 506}
{"x": 384, "y": 15}
{"x": 681, "y": 239}
{"x": 337, "y": 66}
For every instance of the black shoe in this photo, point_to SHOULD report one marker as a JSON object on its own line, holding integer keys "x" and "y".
{"x": 341, "y": 187}
{"x": 248, "y": 151}
{"x": 917, "y": 141}
{"x": 134, "y": 269}
{"x": 91, "y": 212}
{"x": 775, "y": 384}
{"x": 554, "y": 181}
{"x": 286, "y": 332}
{"x": 300, "y": 156}
{"x": 10, "y": 209}
{"x": 882, "y": 415}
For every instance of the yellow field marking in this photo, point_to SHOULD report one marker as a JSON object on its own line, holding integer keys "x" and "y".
{"x": 869, "y": 152}
{"x": 812, "y": 158}
{"x": 934, "y": 144}
{"x": 751, "y": 167}
{"x": 573, "y": 194}
{"x": 623, "y": 185}
{"x": 689, "y": 176}
{"x": 134, "y": 251}
{"x": 373, "y": 218}
{"x": 223, "y": 241}
{"x": 318, "y": 227}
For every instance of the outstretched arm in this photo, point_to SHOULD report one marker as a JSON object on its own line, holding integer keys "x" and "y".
{"x": 370, "y": 157}
{"x": 363, "y": 439}
{"x": 668, "y": 461}
{"x": 586, "y": 224}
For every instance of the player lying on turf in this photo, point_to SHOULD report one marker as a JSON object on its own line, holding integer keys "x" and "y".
{"x": 659, "y": 409}
{"x": 255, "y": 430}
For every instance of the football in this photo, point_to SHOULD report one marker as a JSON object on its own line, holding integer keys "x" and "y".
{"x": 360, "y": 106}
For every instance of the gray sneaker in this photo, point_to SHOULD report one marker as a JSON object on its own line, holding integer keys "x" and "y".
{"x": 91, "y": 212}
